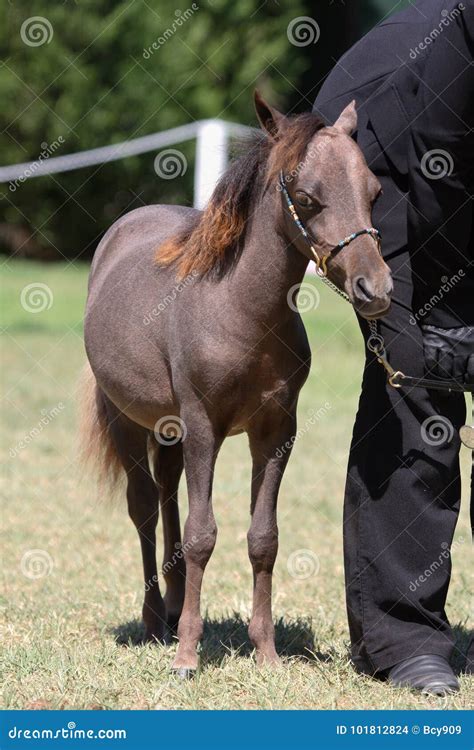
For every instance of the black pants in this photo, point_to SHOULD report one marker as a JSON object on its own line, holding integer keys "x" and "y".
{"x": 403, "y": 484}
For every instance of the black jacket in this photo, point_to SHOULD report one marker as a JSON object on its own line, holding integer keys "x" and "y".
{"x": 413, "y": 80}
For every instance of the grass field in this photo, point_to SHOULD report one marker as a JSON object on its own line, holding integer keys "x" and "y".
{"x": 71, "y": 564}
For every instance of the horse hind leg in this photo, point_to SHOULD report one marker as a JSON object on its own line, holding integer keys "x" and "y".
{"x": 168, "y": 467}
{"x": 131, "y": 445}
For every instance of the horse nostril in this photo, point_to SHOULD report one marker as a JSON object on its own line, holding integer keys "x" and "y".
{"x": 363, "y": 289}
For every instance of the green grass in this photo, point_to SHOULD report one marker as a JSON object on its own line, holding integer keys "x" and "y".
{"x": 70, "y": 638}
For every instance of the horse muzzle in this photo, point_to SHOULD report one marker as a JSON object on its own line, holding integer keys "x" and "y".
{"x": 371, "y": 299}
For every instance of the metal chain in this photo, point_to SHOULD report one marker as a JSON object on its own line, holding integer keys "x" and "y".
{"x": 376, "y": 345}
{"x": 375, "y": 342}
{"x": 332, "y": 286}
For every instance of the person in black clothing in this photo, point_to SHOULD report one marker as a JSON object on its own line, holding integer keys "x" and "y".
{"x": 412, "y": 78}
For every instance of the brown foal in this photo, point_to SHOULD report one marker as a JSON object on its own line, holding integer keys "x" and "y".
{"x": 191, "y": 339}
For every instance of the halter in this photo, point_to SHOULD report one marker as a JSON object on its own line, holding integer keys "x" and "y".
{"x": 321, "y": 262}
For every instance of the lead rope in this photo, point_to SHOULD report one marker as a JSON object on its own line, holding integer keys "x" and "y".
{"x": 398, "y": 379}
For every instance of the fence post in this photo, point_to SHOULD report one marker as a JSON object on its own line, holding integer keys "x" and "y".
{"x": 211, "y": 159}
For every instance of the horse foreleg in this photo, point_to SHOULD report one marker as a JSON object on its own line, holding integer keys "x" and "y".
{"x": 270, "y": 445}
{"x": 200, "y": 452}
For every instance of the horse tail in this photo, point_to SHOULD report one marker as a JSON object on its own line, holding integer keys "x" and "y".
{"x": 97, "y": 447}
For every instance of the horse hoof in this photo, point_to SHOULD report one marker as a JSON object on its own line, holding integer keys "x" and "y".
{"x": 183, "y": 673}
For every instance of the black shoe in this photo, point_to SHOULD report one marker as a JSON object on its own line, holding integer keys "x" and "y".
{"x": 429, "y": 673}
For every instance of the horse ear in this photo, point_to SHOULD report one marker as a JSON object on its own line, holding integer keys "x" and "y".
{"x": 347, "y": 121}
{"x": 270, "y": 119}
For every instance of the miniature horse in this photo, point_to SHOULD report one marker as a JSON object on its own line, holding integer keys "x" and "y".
{"x": 191, "y": 339}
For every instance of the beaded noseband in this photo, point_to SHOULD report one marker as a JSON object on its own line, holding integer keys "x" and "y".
{"x": 321, "y": 262}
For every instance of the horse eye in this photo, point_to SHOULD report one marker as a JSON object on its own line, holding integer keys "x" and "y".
{"x": 304, "y": 200}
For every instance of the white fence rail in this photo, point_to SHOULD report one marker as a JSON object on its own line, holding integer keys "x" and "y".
{"x": 212, "y": 143}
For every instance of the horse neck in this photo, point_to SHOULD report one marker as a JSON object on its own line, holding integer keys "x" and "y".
{"x": 268, "y": 265}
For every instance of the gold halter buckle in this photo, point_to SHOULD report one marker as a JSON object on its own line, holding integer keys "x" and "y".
{"x": 321, "y": 263}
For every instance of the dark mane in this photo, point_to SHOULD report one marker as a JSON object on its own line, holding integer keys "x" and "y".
{"x": 205, "y": 243}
